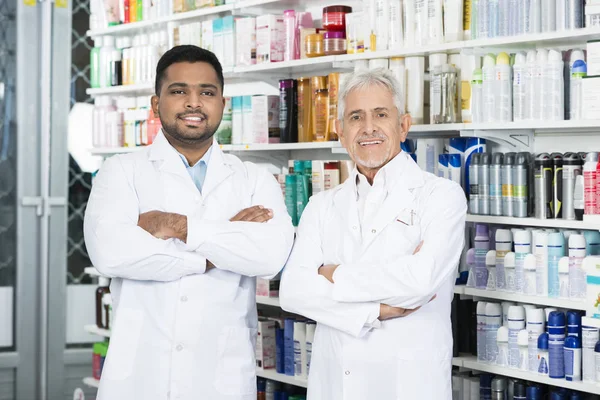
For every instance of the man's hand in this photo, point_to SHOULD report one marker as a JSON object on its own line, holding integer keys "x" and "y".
{"x": 327, "y": 271}
{"x": 388, "y": 312}
{"x": 253, "y": 214}
{"x": 164, "y": 225}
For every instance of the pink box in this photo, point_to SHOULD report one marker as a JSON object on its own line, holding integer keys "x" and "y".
{"x": 270, "y": 38}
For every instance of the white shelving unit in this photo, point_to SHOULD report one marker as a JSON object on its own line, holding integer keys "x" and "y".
{"x": 533, "y": 222}
{"x": 91, "y": 382}
{"x": 94, "y": 330}
{"x": 268, "y": 301}
{"x": 471, "y": 363}
{"x": 521, "y": 298}
{"x": 275, "y": 376}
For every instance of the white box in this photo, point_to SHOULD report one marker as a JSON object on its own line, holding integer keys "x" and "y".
{"x": 318, "y": 176}
{"x": 592, "y": 14}
{"x": 245, "y": 41}
{"x": 228, "y": 42}
{"x": 331, "y": 178}
{"x": 268, "y": 287}
{"x": 270, "y": 38}
{"x": 590, "y": 88}
{"x": 265, "y": 119}
{"x": 207, "y": 35}
{"x": 218, "y": 39}
{"x": 593, "y": 57}
{"x": 266, "y": 350}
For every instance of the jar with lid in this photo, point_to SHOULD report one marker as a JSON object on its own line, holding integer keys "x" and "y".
{"x": 314, "y": 45}
{"x": 334, "y": 43}
{"x": 334, "y": 18}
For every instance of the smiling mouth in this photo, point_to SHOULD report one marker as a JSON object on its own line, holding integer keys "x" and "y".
{"x": 371, "y": 142}
{"x": 193, "y": 120}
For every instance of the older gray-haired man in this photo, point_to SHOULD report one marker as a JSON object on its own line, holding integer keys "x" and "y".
{"x": 371, "y": 252}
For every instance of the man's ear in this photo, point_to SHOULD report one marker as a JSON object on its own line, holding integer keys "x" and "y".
{"x": 405, "y": 124}
{"x": 154, "y": 102}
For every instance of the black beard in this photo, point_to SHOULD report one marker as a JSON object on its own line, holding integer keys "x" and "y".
{"x": 173, "y": 131}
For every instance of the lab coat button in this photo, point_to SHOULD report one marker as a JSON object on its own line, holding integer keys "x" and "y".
{"x": 373, "y": 231}
{"x": 184, "y": 298}
{"x": 179, "y": 347}
{"x": 354, "y": 227}
{"x": 347, "y": 372}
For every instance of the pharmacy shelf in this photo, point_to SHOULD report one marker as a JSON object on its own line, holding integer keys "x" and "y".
{"x": 153, "y": 25}
{"x": 125, "y": 90}
{"x": 275, "y": 376}
{"x": 268, "y": 301}
{"x": 94, "y": 330}
{"x": 91, "y": 382}
{"x": 533, "y": 222}
{"x": 470, "y": 362}
{"x": 521, "y": 298}
{"x": 293, "y": 67}
{"x": 541, "y": 127}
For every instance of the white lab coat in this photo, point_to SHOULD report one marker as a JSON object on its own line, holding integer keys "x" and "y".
{"x": 181, "y": 333}
{"x": 354, "y": 356}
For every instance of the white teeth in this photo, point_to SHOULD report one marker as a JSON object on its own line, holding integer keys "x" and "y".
{"x": 370, "y": 143}
{"x": 193, "y": 119}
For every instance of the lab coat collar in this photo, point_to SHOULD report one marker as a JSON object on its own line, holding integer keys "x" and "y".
{"x": 217, "y": 170}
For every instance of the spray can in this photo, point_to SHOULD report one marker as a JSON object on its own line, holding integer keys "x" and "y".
{"x": 489, "y": 81}
{"x": 508, "y": 184}
{"x": 578, "y": 72}
{"x": 572, "y": 355}
{"x": 490, "y": 263}
{"x": 493, "y": 314}
{"x": 543, "y": 354}
{"x": 589, "y": 183}
{"x": 572, "y": 167}
{"x": 557, "y": 180}
{"x": 573, "y": 323}
{"x": 535, "y": 327}
{"x": 474, "y": 175}
{"x": 577, "y": 275}
{"x": 482, "y": 246}
{"x": 485, "y": 386}
{"x": 484, "y": 184}
{"x": 522, "y": 241}
{"x": 592, "y": 241}
{"x": 516, "y": 323}
{"x": 520, "y": 391}
{"x": 503, "y": 246}
{"x": 443, "y": 166}
{"x": 556, "y": 343}
{"x": 499, "y": 388}
{"x": 556, "y": 250}
{"x": 520, "y": 188}
{"x": 473, "y": 145}
{"x": 589, "y": 338}
{"x": 543, "y": 186}
{"x": 481, "y": 332}
{"x": 496, "y": 184}
{"x": 534, "y": 392}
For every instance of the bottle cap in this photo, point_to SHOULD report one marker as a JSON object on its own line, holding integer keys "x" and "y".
{"x": 516, "y": 313}
{"x": 497, "y": 159}
{"x": 109, "y": 41}
{"x": 520, "y": 390}
{"x": 523, "y": 159}
{"x": 503, "y": 239}
{"x": 522, "y": 238}
{"x": 481, "y": 306}
{"x": 592, "y": 238}
{"x": 493, "y": 310}
{"x": 503, "y": 59}
{"x": 556, "y": 322}
{"x": 476, "y": 159}
{"x": 535, "y": 318}
{"x": 499, "y": 384}
{"x": 597, "y": 347}
{"x": 548, "y": 310}
{"x": 563, "y": 265}
{"x": 523, "y": 338}
{"x": 482, "y": 230}
{"x": 555, "y": 56}
{"x": 486, "y": 159}
{"x": 579, "y": 67}
{"x": 509, "y": 158}
{"x": 542, "y": 56}
{"x": 576, "y": 54}
{"x": 529, "y": 262}
{"x": 502, "y": 335}
{"x": 591, "y": 266}
{"x": 577, "y": 246}
{"x": 591, "y": 157}
{"x": 471, "y": 257}
{"x": 543, "y": 341}
{"x": 573, "y": 322}
{"x": 490, "y": 258}
{"x": 489, "y": 60}
{"x": 531, "y": 57}
{"x": 572, "y": 342}
{"x": 541, "y": 240}
{"x": 437, "y": 60}
{"x": 510, "y": 260}
{"x": 477, "y": 75}
{"x": 556, "y": 242}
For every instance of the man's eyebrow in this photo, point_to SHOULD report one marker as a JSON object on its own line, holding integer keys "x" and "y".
{"x": 381, "y": 109}
{"x": 356, "y": 111}
{"x": 201, "y": 85}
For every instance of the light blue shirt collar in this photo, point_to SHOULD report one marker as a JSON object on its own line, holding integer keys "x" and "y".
{"x": 198, "y": 171}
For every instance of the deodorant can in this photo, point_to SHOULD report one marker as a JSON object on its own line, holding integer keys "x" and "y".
{"x": 572, "y": 168}
{"x": 499, "y": 388}
{"x": 557, "y": 181}
{"x": 534, "y": 392}
{"x": 484, "y": 183}
{"x": 496, "y": 184}
{"x": 520, "y": 186}
{"x": 543, "y": 186}
{"x": 474, "y": 184}
{"x": 556, "y": 342}
{"x": 589, "y": 183}
{"x": 508, "y": 184}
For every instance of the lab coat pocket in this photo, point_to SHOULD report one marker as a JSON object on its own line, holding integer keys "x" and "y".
{"x": 123, "y": 344}
{"x": 424, "y": 374}
{"x": 236, "y": 373}
{"x": 401, "y": 238}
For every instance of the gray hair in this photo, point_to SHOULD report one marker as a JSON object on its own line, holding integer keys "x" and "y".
{"x": 363, "y": 79}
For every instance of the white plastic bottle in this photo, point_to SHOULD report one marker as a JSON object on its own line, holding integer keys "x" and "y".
{"x": 489, "y": 82}
{"x": 504, "y": 14}
{"x": 522, "y": 240}
{"x": 535, "y": 16}
{"x": 541, "y": 266}
{"x": 483, "y": 19}
{"x": 577, "y": 276}
{"x": 435, "y": 22}
{"x": 506, "y": 305}
{"x": 516, "y": 323}
{"x": 530, "y": 284}
{"x": 398, "y": 68}
{"x": 502, "y": 341}
{"x": 561, "y": 15}
{"x": 533, "y": 97}
{"x": 540, "y": 84}
{"x": 523, "y": 345}
{"x": 481, "y": 331}
{"x": 503, "y": 88}
{"x": 554, "y": 84}
{"x": 578, "y": 72}
{"x": 105, "y": 58}
{"x": 563, "y": 278}
{"x": 535, "y": 325}
{"x": 493, "y": 313}
{"x": 503, "y": 246}
{"x": 509, "y": 271}
{"x": 396, "y": 39}
{"x": 494, "y": 18}
{"x": 520, "y": 95}
{"x": 477, "y": 96}
{"x": 490, "y": 264}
